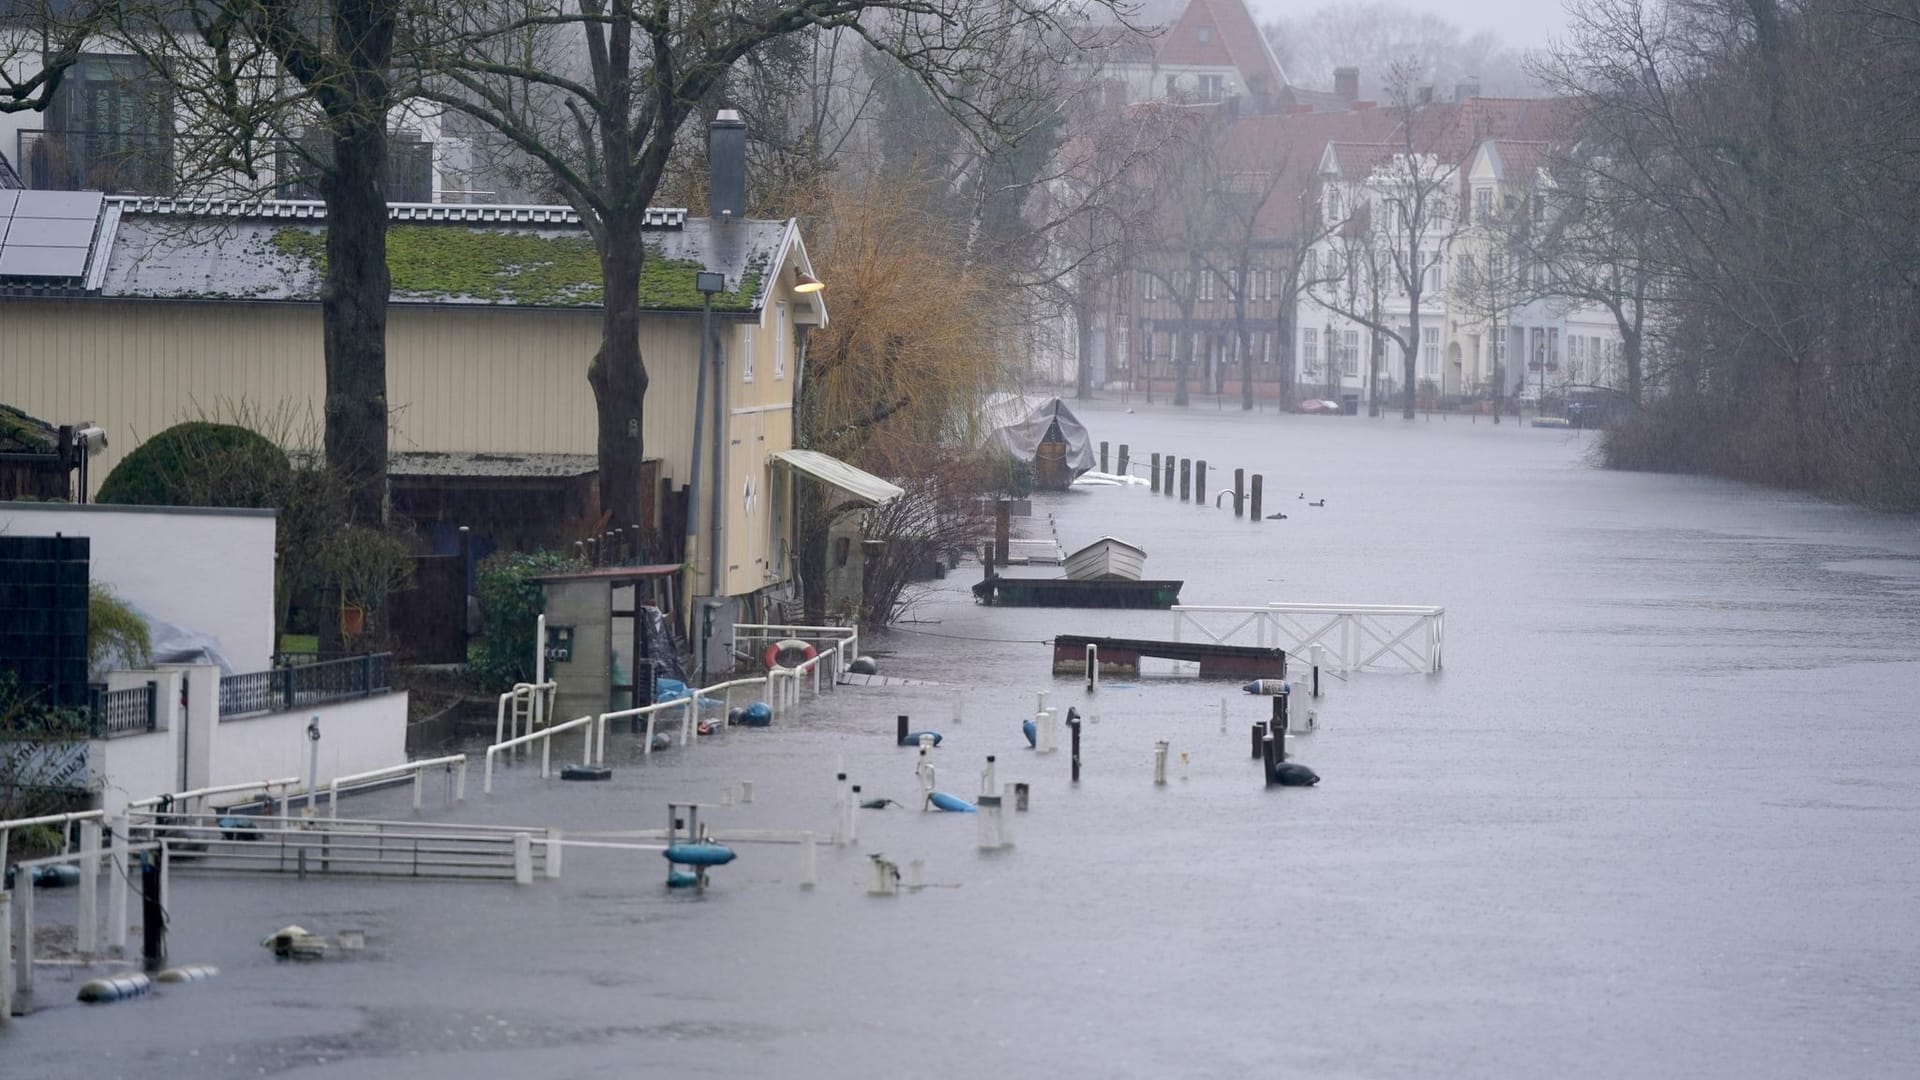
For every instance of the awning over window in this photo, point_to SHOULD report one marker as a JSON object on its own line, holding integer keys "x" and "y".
{"x": 862, "y": 486}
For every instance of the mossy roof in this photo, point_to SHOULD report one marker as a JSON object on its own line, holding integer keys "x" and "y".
{"x": 173, "y": 256}
{"x": 23, "y": 434}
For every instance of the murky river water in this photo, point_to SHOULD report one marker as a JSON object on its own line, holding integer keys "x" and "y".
{"x": 1656, "y": 818}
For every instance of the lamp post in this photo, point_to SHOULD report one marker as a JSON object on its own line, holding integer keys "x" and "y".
{"x": 707, "y": 282}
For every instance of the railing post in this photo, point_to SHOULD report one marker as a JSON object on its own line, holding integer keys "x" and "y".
{"x": 153, "y": 705}
{"x": 87, "y": 938}
{"x": 366, "y": 674}
{"x": 117, "y": 887}
{"x": 286, "y": 686}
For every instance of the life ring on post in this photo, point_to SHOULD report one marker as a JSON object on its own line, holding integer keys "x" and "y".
{"x": 787, "y": 653}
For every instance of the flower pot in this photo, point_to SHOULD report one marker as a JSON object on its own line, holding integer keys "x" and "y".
{"x": 353, "y": 620}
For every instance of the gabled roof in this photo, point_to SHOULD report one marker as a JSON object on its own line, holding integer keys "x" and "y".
{"x": 23, "y": 434}
{"x": 1233, "y": 39}
{"x": 1513, "y": 159}
{"x": 504, "y": 256}
{"x": 1354, "y": 161}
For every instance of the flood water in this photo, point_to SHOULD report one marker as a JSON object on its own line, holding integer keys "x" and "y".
{"x": 1657, "y": 817}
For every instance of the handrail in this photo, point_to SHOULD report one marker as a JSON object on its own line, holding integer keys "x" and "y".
{"x": 545, "y": 735}
{"x": 418, "y": 768}
{"x": 265, "y": 786}
{"x": 7, "y": 827}
{"x": 519, "y": 690}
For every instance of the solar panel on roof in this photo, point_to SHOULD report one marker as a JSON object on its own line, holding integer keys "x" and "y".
{"x": 59, "y": 204}
{"x": 51, "y": 262}
{"x": 50, "y": 232}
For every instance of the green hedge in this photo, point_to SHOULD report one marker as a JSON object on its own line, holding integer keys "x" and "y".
{"x": 201, "y": 464}
{"x": 510, "y": 605}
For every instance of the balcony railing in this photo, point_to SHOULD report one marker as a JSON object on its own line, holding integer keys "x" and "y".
{"x": 134, "y": 711}
{"x": 118, "y": 163}
{"x": 286, "y": 688}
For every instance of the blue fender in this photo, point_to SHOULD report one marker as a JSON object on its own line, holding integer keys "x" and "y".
{"x": 950, "y": 803}
{"x": 1032, "y": 733}
{"x": 701, "y": 853}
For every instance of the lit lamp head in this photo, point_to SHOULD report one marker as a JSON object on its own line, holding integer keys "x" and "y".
{"x": 806, "y": 283}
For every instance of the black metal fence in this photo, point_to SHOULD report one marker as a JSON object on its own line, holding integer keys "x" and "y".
{"x": 286, "y": 688}
{"x": 134, "y": 711}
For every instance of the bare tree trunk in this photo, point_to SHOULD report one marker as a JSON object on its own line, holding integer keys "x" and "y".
{"x": 618, "y": 376}
{"x": 1083, "y": 327}
{"x": 353, "y": 297}
{"x": 1183, "y": 358}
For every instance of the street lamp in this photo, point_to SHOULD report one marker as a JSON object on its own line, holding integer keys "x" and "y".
{"x": 805, "y": 283}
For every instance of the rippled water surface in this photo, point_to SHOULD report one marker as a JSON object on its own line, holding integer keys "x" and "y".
{"x": 1656, "y": 818}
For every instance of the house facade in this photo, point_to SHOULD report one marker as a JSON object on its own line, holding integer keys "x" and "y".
{"x": 163, "y": 311}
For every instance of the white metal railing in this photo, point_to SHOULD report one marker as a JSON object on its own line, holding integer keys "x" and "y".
{"x": 178, "y": 800}
{"x": 845, "y": 639}
{"x": 361, "y": 846}
{"x": 417, "y": 768}
{"x": 689, "y": 709}
{"x": 65, "y": 821}
{"x": 523, "y": 708}
{"x": 545, "y": 738}
{"x": 17, "y": 952}
{"x": 1353, "y": 637}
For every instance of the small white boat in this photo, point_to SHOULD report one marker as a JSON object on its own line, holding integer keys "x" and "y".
{"x": 1106, "y": 558}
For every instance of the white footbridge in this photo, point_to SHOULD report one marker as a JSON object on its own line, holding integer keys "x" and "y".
{"x": 1344, "y": 638}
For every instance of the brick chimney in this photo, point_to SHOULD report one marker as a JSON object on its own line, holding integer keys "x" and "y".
{"x": 1346, "y": 83}
{"x": 1467, "y": 87}
{"x": 727, "y": 166}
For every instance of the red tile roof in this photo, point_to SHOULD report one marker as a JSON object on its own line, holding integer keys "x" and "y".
{"x": 1233, "y": 39}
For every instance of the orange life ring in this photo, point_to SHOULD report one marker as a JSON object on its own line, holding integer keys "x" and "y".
{"x": 781, "y": 653}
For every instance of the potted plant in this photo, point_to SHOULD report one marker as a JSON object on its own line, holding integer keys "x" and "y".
{"x": 365, "y": 566}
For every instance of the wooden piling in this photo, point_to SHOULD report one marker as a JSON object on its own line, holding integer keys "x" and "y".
{"x": 1259, "y": 732}
{"x": 1200, "y": 481}
{"x": 1253, "y": 506}
{"x": 1103, "y": 455}
{"x": 1186, "y": 479}
{"x": 1153, "y": 476}
{"x": 986, "y": 562}
{"x": 1239, "y": 492}
{"x": 1166, "y": 482}
{"x": 1123, "y": 459}
{"x": 1002, "y": 528}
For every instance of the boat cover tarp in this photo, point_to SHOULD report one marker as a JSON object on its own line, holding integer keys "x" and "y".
{"x": 1022, "y": 438}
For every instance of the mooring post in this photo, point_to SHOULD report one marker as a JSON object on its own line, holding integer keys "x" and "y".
{"x": 1186, "y": 479}
{"x": 1166, "y": 482}
{"x": 1103, "y": 455}
{"x": 1073, "y": 725}
{"x": 1253, "y": 507}
{"x": 1314, "y": 654}
{"x": 1020, "y": 793}
{"x": 1160, "y": 763}
{"x": 986, "y": 562}
{"x": 1259, "y": 732}
{"x": 853, "y": 811}
{"x": 988, "y": 807}
{"x": 1093, "y": 667}
{"x": 1153, "y": 475}
{"x": 1002, "y": 528}
{"x": 1239, "y": 492}
{"x": 900, "y": 730}
{"x": 1266, "y": 758}
{"x": 1200, "y": 481}
{"x": 809, "y": 860}
{"x": 987, "y": 783}
{"x": 1279, "y": 720}
{"x": 153, "y": 917}
{"x": 1123, "y": 459}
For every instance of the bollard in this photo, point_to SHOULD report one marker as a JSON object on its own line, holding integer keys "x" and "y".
{"x": 1103, "y": 455}
{"x": 1002, "y": 529}
{"x": 986, "y": 778}
{"x": 1239, "y": 492}
{"x": 554, "y": 844}
{"x": 853, "y": 814}
{"x": 1314, "y": 654}
{"x": 809, "y": 861}
{"x": 1266, "y": 759}
{"x": 1020, "y": 793}
{"x": 87, "y": 938}
{"x": 1184, "y": 776}
{"x": 1253, "y": 499}
{"x": 883, "y": 877}
{"x": 1123, "y": 459}
{"x": 1073, "y": 725}
{"x": 1166, "y": 482}
{"x": 522, "y": 858}
{"x": 1200, "y": 482}
{"x": 989, "y": 811}
{"x": 840, "y": 809}
{"x": 1279, "y": 719}
{"x": 1186, "y": 479}
{"x": 153, "y": 917}
{"x": 986, "y": 562}
{"x": 1160, "y": 763}
{"x": 1259, "y": 732}
{"x": 958, "y": 696}
{"x": 1153, "y": 475}
{"x": 900, "y": 729}
{"x": 1093, "y": 667}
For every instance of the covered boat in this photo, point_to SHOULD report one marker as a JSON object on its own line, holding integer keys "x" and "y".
{"x": 1106, "y": 558}
{"x": 1052, "y": 438}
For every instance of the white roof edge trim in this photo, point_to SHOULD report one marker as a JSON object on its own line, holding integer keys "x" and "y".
{"x": 865, "y": 487}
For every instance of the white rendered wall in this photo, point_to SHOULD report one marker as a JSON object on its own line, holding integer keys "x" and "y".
{"x": 204, "y": 570}
{"x": 355, "y": 736}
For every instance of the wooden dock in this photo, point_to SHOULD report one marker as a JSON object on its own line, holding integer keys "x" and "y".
{"x": 1121, "y": 656}
{"x": 1069, "y": 593}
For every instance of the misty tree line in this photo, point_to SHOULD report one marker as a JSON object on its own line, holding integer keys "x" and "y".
{"x": 1756, "y": 165}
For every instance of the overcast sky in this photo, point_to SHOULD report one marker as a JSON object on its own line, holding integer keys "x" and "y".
{"x": 1520, "y": 23}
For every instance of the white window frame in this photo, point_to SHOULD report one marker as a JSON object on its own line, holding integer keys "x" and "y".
{"x": 1430, "y": 348}
{"x": 1350, "y": 353}
{"x": 746, "y": 352}
{"x": 1206, "y": 284}
{"x": 783, "y": 339}
{"x": 1310, "y": 350}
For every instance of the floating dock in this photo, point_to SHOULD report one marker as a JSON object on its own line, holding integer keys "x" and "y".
{"x": 1069, "y": 593}
{"x": 1121, "y": 656}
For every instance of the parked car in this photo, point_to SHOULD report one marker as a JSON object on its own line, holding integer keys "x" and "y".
{"x": 1319, "y": 406}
